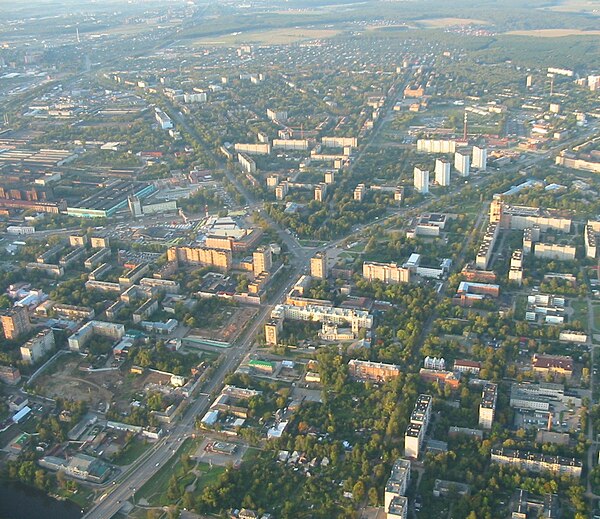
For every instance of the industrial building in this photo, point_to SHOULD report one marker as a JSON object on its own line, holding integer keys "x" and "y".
{"x": 109, "y": 199}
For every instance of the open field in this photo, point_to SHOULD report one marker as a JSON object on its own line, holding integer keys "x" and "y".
{"x": 450, "y": 22}
{"x": 553, "y": 33}
{"x": 576, "y": 6}
{"x": 271, "y": 37}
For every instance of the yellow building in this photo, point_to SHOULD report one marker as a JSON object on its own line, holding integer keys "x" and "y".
{"x": 219, "y": 258}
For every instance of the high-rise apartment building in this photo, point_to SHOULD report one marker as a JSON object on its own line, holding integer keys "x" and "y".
{"x": 262, "y": 260}
{"x": 421, "y": 180}
{"x": 15, "y": 322}
{"x": 462, "y": 162}
{"x": 318, "y": 265}
{"x": 479, "y": 158}
{"x": 442, "y": 172}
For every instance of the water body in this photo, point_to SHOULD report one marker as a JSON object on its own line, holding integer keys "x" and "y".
{"x": 18, "y": 501}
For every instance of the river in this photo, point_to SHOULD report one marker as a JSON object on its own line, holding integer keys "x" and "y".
{"x": 18, "y": 501}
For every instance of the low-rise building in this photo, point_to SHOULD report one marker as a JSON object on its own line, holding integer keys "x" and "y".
{"x": 37, "y": 347}
{"x": 554, "y": 364}
{"x": 374, "y": 371}
{"x": 536, "y": 462}
{"x": 114, "y": 331}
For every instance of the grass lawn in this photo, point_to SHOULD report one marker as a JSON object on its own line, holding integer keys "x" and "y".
{"x": 209, "y": 474}
{"x": 83, "y": 497}
{"x": 596, "y": 310}
{"x": 251, "y": 454}
{"x": 580, "y": 311}
{"x": 134, "y": 449}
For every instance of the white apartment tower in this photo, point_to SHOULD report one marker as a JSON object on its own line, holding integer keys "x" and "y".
{"x": 462, "y": 162}
{"x": 442, "y": 172}
{"x": 421, "y": 180}
{"x": 479, "y": 158}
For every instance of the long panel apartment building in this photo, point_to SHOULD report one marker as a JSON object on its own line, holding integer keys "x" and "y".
{"x": 536, "y": 462}
{"x": 388, "y": 273}
{"x": 221, "y": 259}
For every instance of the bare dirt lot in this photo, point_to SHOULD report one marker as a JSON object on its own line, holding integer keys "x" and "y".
{"x": 233, "y": 324}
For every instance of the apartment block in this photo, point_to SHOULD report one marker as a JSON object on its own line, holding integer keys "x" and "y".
{"x": 262, "y": 260}
{"x": 388, "y": 273}
{"x": 479, "y": 158}
{"x": 37, "y": 347}
{"x": 357, "y": 319}
{"x": 442, "y": 172}
{"x": 398, "y": 481}
{"x": 484, "y": 254}
{"x": 359, "y": 192}
{"x": 536, "y": 462}
{"x": 554, "y": 251}
{"x": 374, "y": 371}
{"x": 273, "y": 329}
{"x": 462, "y": 163}
{"x": 15, "y": 322}
{"x": 421, "y": 180}
{"x": 218, "y": 258}
{"x": 417, "y": 428}
{"x": 78, "y": 340}
{"x": 318, "y": 265}
{"x": 487, "y": 407}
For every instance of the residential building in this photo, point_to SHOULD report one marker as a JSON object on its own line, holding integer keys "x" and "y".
{"x": 589, "y": 237}
{"x": 318, "y": 265}
{"x": 15, "y": 322}
{"x": 262, "y": 260}
{"x": 487, "y": 407}
{"x": 78, "y": 340}
{"x": 360, "y": 192}
{"x": 218, "y": 258}
{"x": 467, "y": 366}
{"x": 10, "y": 375}
{"x": 78, "y": 240}
{"x": 421, "y": 180}
{"x": 479, "y": 158}
{"x": 554, "y": 251}
{"x": 553, "y": 364}
{"x": 398, "y": 481}
{"x": 388, "y": 273}
{"x": 99, "y": 242}
{"x": 272, "y": 330}
{"x": 417, "y": 428}
{"x": 436, "y": 146}
{"x": 536, "y": 462}
{"x": 37, "y": 347}
{"x": 398, "y": 508}
{"x": 442, "y": 172}
{"x": 164, "y": 121}
{"x": 374, "y": 371}
{"x": 320, "y": 191}
{"x": 356, "y": 318}
{"x": 277, "y": 115}
{"x": 484, "y": 254}
{"x": 462, "y": 163}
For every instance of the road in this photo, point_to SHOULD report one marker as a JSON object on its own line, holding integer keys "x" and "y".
{"x": 154, "y": 459}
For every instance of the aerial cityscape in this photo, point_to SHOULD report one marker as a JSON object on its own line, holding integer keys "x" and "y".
{"x": 300, "y": 259}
